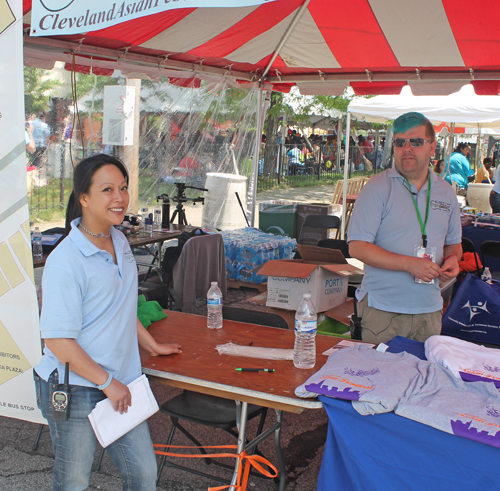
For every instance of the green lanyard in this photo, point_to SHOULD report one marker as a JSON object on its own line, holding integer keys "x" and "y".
{"x": 422, "y": 224}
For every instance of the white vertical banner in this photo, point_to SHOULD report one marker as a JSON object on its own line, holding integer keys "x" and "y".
{"x": 19, "y": 323}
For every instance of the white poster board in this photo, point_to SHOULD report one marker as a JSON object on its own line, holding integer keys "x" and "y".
{"x": 19, "y": 323}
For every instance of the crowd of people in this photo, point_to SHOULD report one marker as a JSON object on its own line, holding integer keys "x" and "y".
{"x": 319, "y": 153}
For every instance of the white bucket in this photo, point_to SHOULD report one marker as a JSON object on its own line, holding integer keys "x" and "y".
{"x": 221, "y": 209}
{"x": 478, "y": 196}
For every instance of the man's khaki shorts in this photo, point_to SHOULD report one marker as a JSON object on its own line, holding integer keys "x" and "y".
{"x": 379, "y": 326}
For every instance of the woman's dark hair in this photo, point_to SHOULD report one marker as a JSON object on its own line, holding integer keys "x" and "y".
{"x": 460, "y": 147}
{"x": 82, "y": 180}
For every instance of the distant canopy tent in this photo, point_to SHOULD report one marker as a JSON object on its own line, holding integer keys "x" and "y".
{"x": 322, "y": 46}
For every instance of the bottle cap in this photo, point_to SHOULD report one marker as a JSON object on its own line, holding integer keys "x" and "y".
{"x": 213, "y": 283}
{"x": 307, "y": 295}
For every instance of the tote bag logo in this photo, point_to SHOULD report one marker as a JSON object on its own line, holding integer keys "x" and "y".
{"x": 475, "y": 309}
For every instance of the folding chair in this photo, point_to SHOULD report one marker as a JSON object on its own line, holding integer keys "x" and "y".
{"x": 338, "y": 244}
{"x": 216, "y": 412}
{"x": 319, "y": 221}
{"x": 491, "y": 248}
{"x": 468, "y": 246}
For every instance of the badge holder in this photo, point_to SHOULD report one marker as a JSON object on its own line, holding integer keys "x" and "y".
{"x": 425, "y": 253}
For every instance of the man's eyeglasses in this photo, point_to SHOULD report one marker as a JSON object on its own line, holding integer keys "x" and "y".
{"x": 414, "y": 142}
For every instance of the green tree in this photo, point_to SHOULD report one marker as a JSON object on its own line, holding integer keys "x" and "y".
{"x": 38, "y": 88}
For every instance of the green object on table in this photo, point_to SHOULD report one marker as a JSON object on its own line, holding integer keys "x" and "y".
{"x": 331, "y": 327}
{"x": 149, "y": 312}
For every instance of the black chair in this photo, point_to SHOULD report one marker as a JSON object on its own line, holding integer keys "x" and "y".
{"x": 468, "y": 246}
{"x": 216, "y": 412}
{"x": 319, "y": 221}
{"x": 491, "y": 248}
{"x": 338, "y": 244}
{"x": 254, "y": 317}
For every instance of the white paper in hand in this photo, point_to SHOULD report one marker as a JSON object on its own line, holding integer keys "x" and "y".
{"x": 109, "y": 425}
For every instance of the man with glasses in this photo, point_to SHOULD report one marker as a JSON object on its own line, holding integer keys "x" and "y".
{"x": 406, "y": 228}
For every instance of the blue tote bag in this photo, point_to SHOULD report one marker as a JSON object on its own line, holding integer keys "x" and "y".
{"x": 474, "y": 312}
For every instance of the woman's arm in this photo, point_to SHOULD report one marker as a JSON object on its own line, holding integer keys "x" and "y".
{"x": 68, "y": 350}
{"x": 147, "y": 342}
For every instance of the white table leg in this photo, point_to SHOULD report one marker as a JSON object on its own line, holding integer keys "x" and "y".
{"x": 242, "y": 427}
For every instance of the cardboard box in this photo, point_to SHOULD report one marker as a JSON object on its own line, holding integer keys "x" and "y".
{"x": 310, "y": 235}
{"x": 325, "y": 278}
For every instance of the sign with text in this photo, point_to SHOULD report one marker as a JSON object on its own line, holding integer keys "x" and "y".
{"x": 20, "y": 348}
{"x": 56, "y": 17}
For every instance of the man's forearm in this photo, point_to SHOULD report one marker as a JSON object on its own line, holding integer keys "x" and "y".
{"x": 377, "y": 257}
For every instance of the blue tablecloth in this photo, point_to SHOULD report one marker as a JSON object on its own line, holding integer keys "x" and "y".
{"x": 478, "y": 235}
{"x": 386, "y": 452}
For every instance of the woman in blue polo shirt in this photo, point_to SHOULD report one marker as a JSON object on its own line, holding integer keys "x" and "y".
{"x": 89, "y": 319}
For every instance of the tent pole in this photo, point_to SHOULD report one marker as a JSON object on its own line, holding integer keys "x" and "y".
{"x": 339, "y": 142}
{"x": 448, "y": 152}
{"x": 289, "y": 30}
{"x": 261, "y": 112}
{"x": 478, "y": 144}
{"x": 346, "y": 169}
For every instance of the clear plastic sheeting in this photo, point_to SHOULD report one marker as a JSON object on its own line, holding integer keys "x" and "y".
{"x": 169, "y": 132}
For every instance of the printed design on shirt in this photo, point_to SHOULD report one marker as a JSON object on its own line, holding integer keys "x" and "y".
{"x": 361, "y": 373}
{"x": 440, "y": 206}
{"x": 475, "y": 309}
{"x": 491, "y": 411}
{"x": 341, "y": 387}
{"x": 129, "y": 257}
{"x": 467, "y": 429}
{"x": 490, "y": 368}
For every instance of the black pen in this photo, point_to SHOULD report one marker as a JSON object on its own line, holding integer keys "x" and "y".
{"x": 254, "y": 369}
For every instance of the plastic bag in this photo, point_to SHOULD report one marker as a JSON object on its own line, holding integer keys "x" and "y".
{"x": 255, "y": 352}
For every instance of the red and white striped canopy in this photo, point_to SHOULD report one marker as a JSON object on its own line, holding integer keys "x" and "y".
{"x": 376, "y": 46}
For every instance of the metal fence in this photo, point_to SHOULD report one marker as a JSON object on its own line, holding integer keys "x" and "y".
{"x": 293, "y": 165}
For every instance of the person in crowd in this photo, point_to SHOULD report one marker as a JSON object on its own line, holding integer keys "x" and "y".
{"x": 28, "y": 136}
{"x": 296, "y": 139}
{"x": 483, "y": 173}
{"x": 41, "y": 135}
{"x": 89, "y": 320}
{"x": 406, "y": 228}
{"x": 459, "y": 167}
{"x": 495, "y": 197}
{"x": 439, "y": 167}
{"x": 294, "y": 160}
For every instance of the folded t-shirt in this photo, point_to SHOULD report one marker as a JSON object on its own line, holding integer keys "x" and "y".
{"x": 468, "y": 361}
{"x": 374, "y": 381}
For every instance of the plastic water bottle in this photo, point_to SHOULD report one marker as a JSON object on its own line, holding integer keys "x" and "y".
{"x": 148, "y": 224}
{"x": 214, "y": 307}
{"x": 486, "y": 276}
{"x": 306, "y": 324}
{"x": 37, "y": 243}
{"x": 157, "y": 216}
{"x": 146, "y": 204}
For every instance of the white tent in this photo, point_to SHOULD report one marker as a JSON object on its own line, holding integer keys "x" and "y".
{"x": 463, "y": 108}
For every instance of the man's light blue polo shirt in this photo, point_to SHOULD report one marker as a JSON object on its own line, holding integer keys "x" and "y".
{"x": 384, "y": 214}
{"x": 89, "y": 298}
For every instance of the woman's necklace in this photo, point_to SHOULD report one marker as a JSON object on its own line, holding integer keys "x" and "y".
{"x": 100, "y": 235}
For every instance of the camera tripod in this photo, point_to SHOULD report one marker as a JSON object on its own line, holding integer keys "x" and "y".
{"x": 181, "y": 198}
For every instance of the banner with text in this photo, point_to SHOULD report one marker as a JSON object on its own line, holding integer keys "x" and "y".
{"x": 56, "y": 17}
{"x": 20, "y": 347}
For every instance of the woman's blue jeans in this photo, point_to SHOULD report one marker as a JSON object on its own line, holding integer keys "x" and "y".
{"x": 74, "y": 442}
{"x": 495, "y": 202}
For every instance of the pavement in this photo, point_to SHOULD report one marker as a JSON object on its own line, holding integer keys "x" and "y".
{"x": 303, "y": 435}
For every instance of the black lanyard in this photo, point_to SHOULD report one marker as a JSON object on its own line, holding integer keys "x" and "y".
{"x": 422, "y": 224}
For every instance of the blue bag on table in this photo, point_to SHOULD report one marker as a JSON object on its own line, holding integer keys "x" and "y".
{"x": 474, "y": 312}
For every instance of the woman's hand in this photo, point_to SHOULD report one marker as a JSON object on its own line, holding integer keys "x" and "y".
{"x": 119, "y": 395}
{"x": 165, "y": 349}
